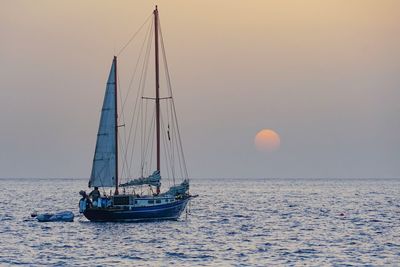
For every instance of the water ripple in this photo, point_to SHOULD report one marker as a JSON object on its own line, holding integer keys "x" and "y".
{"x": 249, "y": 223}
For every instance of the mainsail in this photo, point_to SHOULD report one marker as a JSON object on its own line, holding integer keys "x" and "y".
{"x": 104, "y": 168}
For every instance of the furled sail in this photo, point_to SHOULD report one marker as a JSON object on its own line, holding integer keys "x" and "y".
{"x": 153, "y": 179}
{"x": 104, "y": 161}
{"x": 179, "y": 189}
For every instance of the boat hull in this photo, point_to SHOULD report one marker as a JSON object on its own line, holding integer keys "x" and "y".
{"x": 169, "y": 211}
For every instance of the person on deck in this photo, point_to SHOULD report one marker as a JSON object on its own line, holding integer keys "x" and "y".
{"x": 85, "y": 202}
{"x": 95, "y": 195}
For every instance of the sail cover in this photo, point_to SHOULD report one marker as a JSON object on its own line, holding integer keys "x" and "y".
{"x": 104, "y": 161}
{"x": 178, "y": 189}
{"x": 153, "y": 179}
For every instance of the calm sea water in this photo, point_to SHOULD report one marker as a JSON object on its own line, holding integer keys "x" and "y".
{"x": 310, "y": 222}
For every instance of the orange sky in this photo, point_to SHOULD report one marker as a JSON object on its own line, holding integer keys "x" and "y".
{"x": 324, "y": 74}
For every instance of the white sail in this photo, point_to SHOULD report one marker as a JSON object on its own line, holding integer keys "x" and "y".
{"x": 104, "y": 161}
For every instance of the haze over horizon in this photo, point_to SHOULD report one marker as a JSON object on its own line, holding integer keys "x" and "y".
{"x": 323, "y": 74}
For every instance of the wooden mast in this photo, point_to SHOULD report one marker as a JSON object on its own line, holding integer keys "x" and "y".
{"x": 116, "y": 127}
{"x": 157, "y": 87}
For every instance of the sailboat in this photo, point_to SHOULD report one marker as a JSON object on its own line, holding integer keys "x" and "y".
{"x": 136, "y": 204}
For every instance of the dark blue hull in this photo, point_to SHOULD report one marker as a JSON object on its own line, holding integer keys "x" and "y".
{"x": 169, "y": 211}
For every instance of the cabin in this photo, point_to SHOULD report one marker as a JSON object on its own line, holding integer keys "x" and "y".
{"x": 133, "y": 200}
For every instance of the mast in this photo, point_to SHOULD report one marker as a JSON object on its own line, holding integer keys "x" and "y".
{"x": 116, "y": 127}
{"x": 157, "y": 87}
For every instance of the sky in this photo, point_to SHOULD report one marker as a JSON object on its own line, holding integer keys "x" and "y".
{"x": 325, "y": 75}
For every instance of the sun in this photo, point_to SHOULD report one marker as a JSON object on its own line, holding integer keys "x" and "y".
{"x": 267, "y": 140}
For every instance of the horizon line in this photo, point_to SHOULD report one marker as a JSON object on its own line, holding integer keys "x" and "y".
{"x": 217, "y": 178}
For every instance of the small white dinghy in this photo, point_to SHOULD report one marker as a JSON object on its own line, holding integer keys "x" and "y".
{"x": 64, "y": 216}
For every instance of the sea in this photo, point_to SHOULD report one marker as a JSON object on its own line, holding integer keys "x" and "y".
{"x": 233, "y": 222}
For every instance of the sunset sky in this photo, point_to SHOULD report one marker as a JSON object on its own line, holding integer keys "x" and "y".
{"x": 325, "y": 75}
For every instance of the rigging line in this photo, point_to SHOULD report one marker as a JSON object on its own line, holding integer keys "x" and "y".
{"x": 167, "y": 147}
{"x": 144, "y": 127}
{"x": 134, "y": 35}
{"x": 169, "y": 144}
{"x": 167, "y": 111}
{"x": 144, "y": 131}
{"x": 173, "y": 140}
{"x": 137, "y": 63}
{"x": 152, "y": 123}
{"x": 180, "y": 142}
{"x": 177, "y": 150}
{"x": 124, "y": 158}
{"x": 140, "y": 92}
{"x": 144, "y": 115}
{"x": 165, "y": 61}
{"x": 134, "y": 138}
{"x": 172, "y": 100}
{"x": 171, "y": 129}
{"x": 137, "y": 97}
{"x": 165, "y": 152}
{"x": 150, "y": 156}
{"x": 142, "y": 110}
{"x": 121, "y": 146}
{"x": 166, "y": 70}
{"x": 134, "y": 135}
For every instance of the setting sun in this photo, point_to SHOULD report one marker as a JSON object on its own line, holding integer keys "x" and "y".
{"x": 267, "y": 140}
